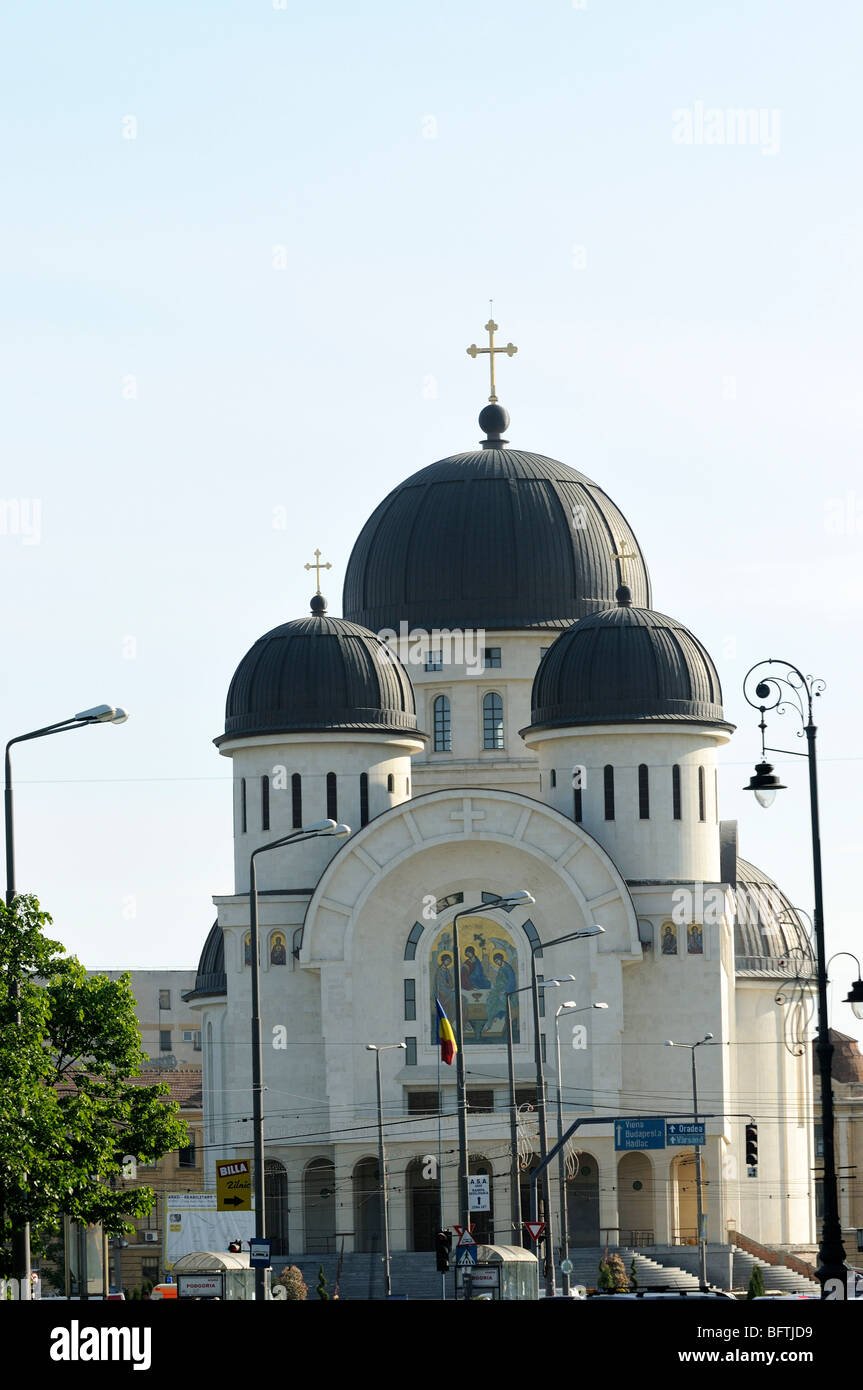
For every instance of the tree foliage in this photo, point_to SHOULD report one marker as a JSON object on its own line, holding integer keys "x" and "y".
{"x": 755, "y": 1288}
{"x": 292, "y": 1279}
{"x": 69, "y": 1107}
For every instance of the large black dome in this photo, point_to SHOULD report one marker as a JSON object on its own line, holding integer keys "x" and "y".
{"x": 316, "y": 674}
{"x": 624, "y": 665}
{"x": 498, "y": 538}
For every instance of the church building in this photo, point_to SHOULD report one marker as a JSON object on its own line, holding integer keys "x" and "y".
{"x": 501, "y": 708}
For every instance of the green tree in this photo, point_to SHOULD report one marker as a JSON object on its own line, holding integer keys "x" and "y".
{"x": 755, "y": 1288}
{"x": 633, "y": 1276}
{"x": 322, "y": 1290}
{"x": 70, "y": 1108}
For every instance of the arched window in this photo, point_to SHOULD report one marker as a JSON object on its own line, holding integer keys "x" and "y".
{"x": 319, "y": 1203}
{"x": 643, "y": 792}
{"x": 675, "y": 792}
{"x": 332, "y": 797}
{"x": 391, "y": 782}
{"x": 442, "y": 725}
{"x": 553, "y": 777}
{"x": 492, "y": 720}
{"x": 243, "y": 821}
{"x": 276, "y": 1203}
{"x": 609, "y": 791}
{"x": 701, "y": 814}
{"x": 577, "y": 808}
{"x": 297, "y": 800}
{"x": 278, "y": 948}
{"x": 364, "y": 798}
{"x": 265, "y": 803}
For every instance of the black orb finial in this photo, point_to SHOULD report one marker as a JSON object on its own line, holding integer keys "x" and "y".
{"x": 624, "y": 596}
{"x": 494, "y": 419}
{"x": 319, "y": 606}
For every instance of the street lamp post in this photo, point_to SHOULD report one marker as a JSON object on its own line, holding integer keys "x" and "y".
{"x": 99, "y": 714}
{"x": 699, "y": 1198}
{"x": 520, "y": 898}
{"x": 382, "y": 1158}
{"x": 796, "y": 692}
{"x": 537, "y": 947}
{"x": 309, "y": 832}
{"x": 568, "y": 1007}
{"x": 515, "y": 1184}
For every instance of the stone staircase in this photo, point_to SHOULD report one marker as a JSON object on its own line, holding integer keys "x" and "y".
{"x": 649, "y": 1273}
{"x": 777, "y": 1278}
{"x": 414, "y": 1274}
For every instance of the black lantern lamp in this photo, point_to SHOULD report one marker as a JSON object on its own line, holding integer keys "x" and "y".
{"x": 765, "y": 784}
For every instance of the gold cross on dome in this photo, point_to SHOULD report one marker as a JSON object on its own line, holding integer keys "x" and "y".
{"x": 623, "y": 555}
{"x": 318, "y": 567}
{"x": 474, "y": 351}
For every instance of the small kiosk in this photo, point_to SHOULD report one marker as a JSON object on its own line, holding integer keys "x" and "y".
{"x": 215, "y": 1274}
{"x": 500, "y": 1272}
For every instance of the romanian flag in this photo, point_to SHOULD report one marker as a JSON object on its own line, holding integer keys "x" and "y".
{"x": 446, "y": 1036}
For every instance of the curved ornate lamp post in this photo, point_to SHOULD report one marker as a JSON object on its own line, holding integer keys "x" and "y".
{"x": 765, "y": 689}
{"x": 99, "y": 714}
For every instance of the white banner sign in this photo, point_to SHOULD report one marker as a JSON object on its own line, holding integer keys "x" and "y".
{"x": 192, "y": 1223}
{"x": 479, "y": 1192}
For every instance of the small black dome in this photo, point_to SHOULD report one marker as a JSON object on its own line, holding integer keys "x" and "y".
{"x": 316, "y": 674}
{"x": 211, "y": 977}
{"x": 624, "y": 665}
{"x": 769, "y": 934}
{"x": 494, "y": 539}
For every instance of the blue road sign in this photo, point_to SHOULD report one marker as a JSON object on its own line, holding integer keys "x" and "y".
{"x": 643, "y": 1132}
{"x": 686, "y": 1132}
{"x": 259, "y": 1254}
{"x": 465, "y": 1255}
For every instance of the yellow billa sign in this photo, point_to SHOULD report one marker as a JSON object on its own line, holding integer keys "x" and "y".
{"x": 233, "y": 1185}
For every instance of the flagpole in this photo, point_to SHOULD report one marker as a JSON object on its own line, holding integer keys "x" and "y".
{"x": 440, "y": 1162}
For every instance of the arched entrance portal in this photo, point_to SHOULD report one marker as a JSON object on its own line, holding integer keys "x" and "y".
{"x": 368, "y": 1222}
{"x": 582, "y": 1202}
{"x": 276, "y": 1206}
{"x": 319, "y": 1206}
{"x": 635, "y": 1200}
{"x": 684, "y": 1198}
{"x": 423, "y": 1186}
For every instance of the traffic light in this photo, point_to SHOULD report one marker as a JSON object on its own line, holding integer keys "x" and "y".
{"x": 752, "y": 1150}
{"x": 443, "y": 1245}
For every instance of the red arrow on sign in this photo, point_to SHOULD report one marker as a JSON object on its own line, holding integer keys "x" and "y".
{"x": 534, "y": 1229}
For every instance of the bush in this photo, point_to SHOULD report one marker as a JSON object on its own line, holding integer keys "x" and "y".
{"x": 755, "y": 1288}
{"x": 618, "y": 1274}
{"x": 633, "y": 1276}
{"x": 321, "y": 1290}
{"x": 291, "y": 1278}
{"x": 605, "y": 1282}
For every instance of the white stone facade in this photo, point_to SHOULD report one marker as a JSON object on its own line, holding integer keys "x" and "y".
{"x": 359, "y": 917}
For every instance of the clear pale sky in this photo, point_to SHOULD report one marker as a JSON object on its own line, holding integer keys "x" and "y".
{"x": 263, "y": 300}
